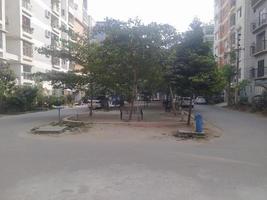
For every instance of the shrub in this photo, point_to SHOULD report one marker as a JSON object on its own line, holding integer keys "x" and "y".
{"x": 50, "y": 101}
{"x": 243, "y": 101}
{"x": 22, "y": 98}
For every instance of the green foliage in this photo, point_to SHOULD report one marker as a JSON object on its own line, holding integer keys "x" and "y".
{"x": 7, "y": 81}
{"x": 228, "y": 73}
{"x": 193, "y": 69}
{"x": 23, "y": 98}
{"x": 130, "y": 57}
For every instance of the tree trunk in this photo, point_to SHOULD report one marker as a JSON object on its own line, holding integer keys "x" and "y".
{"x": 173, "y": 102}
{"x": 190, "y": 112}
{"x": 91, "y": 101}
{"x": 134, "y": 93}
{"x": 229, "y": 94}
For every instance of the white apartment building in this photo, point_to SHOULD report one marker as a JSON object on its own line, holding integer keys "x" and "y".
{"x": 26, "y": 25}
{"x": 258, "y": 45}
{"x": 243, "y": 22}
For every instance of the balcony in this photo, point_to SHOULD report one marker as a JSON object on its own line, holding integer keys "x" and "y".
{"x": 27, "y": 29}
{"x": 260, "y": 47}
{"x": 233, "y": 3}
{"x": 71, "y": 20}
{"x": 262, "y": 23}
{"x": 86, "y": 17}
{"x": 55, "y": 24}
{"x": 55, "y": 62}
{"x": 55, "y": 7}
{"x": 258, "y": 73}
{"x": 26, "y": 4}
{"x": 255, "y": 3}
{"x": 55, "y": 43}
{"x": 27, "y": 76}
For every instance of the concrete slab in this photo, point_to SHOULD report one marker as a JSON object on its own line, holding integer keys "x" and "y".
{"x": 50, "y": 129}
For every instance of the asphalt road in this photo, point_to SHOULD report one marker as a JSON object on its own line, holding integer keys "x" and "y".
{"x": 232, "y": 167}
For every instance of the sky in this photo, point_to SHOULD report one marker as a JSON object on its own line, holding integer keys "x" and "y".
{"x": 178, "y": 13}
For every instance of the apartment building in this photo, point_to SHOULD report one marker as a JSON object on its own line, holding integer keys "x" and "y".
{"x": 258, "y": 45}
{"x": 240, "y": 33}
{"x": 208, "y": 30}
{"x": 26, "y": 25}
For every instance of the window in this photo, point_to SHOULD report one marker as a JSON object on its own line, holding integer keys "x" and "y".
{"x": 1, "y": 40}
{"x": 260, "y": 68}
{"x": 26, "y": 24}
{"x": 232, "y": 20}
{"x": 27, "y": 68}
{"x": 85, "y": 6}
{"x": 1, "y": 10}
{"x": 262, "y": 17}
{"x": 261, "y": 42}
{"x": 27, "y": 72}
{"x": 27, "y": 49}
{"x": 239, "y": 12}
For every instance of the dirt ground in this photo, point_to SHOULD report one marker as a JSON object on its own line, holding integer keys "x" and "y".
{"x": 156, "y": 124}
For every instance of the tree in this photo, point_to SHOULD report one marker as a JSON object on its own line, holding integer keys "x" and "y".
{"x": 131, "y": 56}
{"x": 7, "y": 83}
{"x": 127, "y": 62}
{"x": 193, "y": 69}
{"x": 228, "y": 72}
{"x": 23, "y": 98}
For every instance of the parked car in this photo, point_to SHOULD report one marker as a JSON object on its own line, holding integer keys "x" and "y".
{"x": 185, "y": 102}
{"x": 200, "y": 100}
{"x": 96, "y": 104}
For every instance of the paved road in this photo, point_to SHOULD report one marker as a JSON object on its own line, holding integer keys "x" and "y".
{"x": 233, "y": 167}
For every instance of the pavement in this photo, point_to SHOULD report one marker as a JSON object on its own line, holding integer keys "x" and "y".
{"x": 231, "y": 167}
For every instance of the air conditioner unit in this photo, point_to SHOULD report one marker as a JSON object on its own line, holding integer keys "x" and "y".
{"x": 47, "y": 34}
{"x": 47, "y": 14}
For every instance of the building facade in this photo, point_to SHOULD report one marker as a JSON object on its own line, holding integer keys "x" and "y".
{"x": 258, "y": 48}
{"x": 208, "y": 30}
{"x": 27, "y": 25}
{"x": 240, "y": 40}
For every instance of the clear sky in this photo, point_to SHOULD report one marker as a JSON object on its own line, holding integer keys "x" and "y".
{"x": 178, "y": 13}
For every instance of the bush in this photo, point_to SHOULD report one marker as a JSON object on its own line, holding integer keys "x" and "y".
{"x": 22, "y": 98}
{"x": 259, "y": 102}
{"x": 243, "y": 101}
{"x": 50, "y": 101}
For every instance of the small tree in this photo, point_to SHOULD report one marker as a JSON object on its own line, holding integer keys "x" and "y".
{"x": 228, "y": 72}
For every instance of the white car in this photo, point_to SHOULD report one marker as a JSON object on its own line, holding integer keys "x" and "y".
{"x": 200, "y": 100}
{"x": 96, "y": 104}
{"x": 185, "y": 102}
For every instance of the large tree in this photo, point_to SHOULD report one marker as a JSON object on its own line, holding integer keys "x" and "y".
{"x": 131, "y": 56}
{"x": 127, "y": 62}
{"x": 193, "y": 70}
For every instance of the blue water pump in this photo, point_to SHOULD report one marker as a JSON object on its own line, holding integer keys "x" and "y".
{"x": 199, "y": 123}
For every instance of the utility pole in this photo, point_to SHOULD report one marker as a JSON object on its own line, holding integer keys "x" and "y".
{"x": 237, "y": 67}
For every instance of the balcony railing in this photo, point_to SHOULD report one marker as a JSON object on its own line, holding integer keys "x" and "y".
{"x": 263, "y": 19}
{"x": 55, "y": 43}
{"x": 28, "y": 29}
{"x": 55, "y": 6}
{"x": 258, "y": 72}
{"x": 233, "y": 3}
{"x": 55, "y": 61}
{"x": 260, "y": 46}
{"x": 255, "y": 2}
{"x": 27, "y": 4}
{"x": 27, "y": 76}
